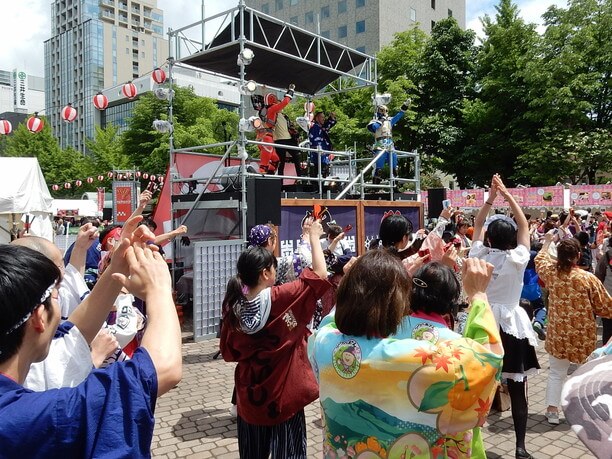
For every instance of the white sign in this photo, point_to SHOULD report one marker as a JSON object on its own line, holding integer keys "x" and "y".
{"x": 20, "y": 90}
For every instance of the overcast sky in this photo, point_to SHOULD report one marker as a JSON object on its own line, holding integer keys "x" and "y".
{"x": 25, "y": 24}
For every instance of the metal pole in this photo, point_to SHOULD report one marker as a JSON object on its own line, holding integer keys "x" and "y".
{"x": 242, "y": 141}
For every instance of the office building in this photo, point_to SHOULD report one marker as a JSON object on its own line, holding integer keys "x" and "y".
{"x": 364, "y": 25}
{"x": 96, "y": 44}
{"x": 20, "y": 92}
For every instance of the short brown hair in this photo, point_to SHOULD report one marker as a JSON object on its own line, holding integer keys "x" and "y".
{"x": 568, "y": 251}
{"x": 373, "y": 296}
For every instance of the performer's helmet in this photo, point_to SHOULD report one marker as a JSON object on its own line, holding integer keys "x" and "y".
{"x": 382, "y": 109}
{"x": 270, "y": 99}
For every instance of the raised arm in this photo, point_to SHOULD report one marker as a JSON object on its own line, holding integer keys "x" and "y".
{"x": 522, "y": 236}
{"x": 315, "y": 230}
{"x": 484, "y": 212}
{"x": 87, "y": 233}
{"x": 170, "y": 235}
{"x": 149, "y": 279}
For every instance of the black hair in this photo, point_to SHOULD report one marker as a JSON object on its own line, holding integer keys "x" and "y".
{"x": 333, "y": 230}
{"x": 501, "y": 235}
{"x": 392, "y": 230}
{"x": 105, "y": 231}
{"x": 148, "y": 221}
{"x": 583, "y": 238}
{"x": 251, "y": 263}
{"x": 435, "y": 288}
{"x": 25, "y": 275}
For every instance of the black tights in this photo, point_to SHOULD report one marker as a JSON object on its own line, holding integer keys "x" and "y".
{"x": 518, "y": 405}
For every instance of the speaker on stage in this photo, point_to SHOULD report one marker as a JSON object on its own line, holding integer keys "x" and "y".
{"x": 435, "y": 196}
{"x": 263, "y": 201}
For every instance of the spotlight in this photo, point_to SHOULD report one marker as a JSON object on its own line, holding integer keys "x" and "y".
{"x": 382, "y": 99}
{"x": 162, "y": 126}
{"x": 247, "y": 88}
{"x": 249, "y": 125}
{"x": 245, "y": 57}
{"x": 163, "y": 93}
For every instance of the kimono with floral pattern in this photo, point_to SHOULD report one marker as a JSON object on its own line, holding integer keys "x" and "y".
{"x": 417, "y": 394}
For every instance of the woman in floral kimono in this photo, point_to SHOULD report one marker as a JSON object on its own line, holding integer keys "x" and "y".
{"x": 391, "y": 387}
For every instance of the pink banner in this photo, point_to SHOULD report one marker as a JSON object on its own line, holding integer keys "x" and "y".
{"x": 517, "y": 193}
{"x": 545, "y": 196}
{"x": 466, "y": 198}
{"x": 591, "y": 195}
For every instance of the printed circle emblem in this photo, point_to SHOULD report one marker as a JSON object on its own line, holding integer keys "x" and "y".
{"x": 425, "y": 332}
{"x": 346, "y": 358}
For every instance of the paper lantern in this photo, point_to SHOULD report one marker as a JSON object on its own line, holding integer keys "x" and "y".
{"x": 35, "y": 124}
{"x": 5, "y": 127}
{"x": 89, "y": 179}
{"x": 100, "y": 101}
{"x": 100, "y": 177}
{"x": 137, "y": 174}
{"x": 78, "y": 183}
{"x": 67, "y": 185}
{"x": 160, "y": 179}
{"x": 110, "y": 175}
{"x": 152, "y": 178}
{"x": 145, "y": 176}
{"x": 129, "y": 90}
{"x": 55, "y": 187}
{"x": 159, "y": 76}
{"x": 69, "y": 113}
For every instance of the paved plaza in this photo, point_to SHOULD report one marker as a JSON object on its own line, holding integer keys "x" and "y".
{"x": 193, "y": 420}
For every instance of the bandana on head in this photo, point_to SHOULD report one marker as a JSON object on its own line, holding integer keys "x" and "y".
{"x": 259, "y": 235}
{"x": 505, "y": 218}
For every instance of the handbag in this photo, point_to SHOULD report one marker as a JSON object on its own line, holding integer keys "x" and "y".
{"x": 501, "y": 400}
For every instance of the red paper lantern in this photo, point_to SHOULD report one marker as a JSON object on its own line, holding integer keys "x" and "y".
{"x": 78, "y": 183}
{"x": 137, "y": 174}
{"x": 100, "y": 101}
{"x": 89, "y": 179}
{"x": 100, "y": 177}
{"x": 309, "y": 107}
{"x": 145, "y": 176}
{"x": 159, "y": 76}
{"x": 152, "y": 178}
{"x": 120, "y": 177}
{"x": 67, "y": 185}
{"x": 129, "y": 90}
{"x": 35, "y": 124}
{"x": 5, "y": 127}
{"x": 110, "y": 175}
{"x": 160, "y": 179}
{"x": 69, "y": 113}
{"x": 55, "y": 187}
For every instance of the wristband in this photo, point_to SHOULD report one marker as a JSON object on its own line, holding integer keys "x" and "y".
{"x": 490, "y": 203}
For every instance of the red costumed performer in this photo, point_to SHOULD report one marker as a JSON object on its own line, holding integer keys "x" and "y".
{"x": 268, "y": 108}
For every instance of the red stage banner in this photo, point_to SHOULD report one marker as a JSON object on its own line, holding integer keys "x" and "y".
{"x": 591, "y": 195}
{"x": 124, "y": 201}
{"x": 100, "y": 199}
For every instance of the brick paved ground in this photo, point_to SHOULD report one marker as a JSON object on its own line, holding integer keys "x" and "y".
{"x": 193, "y": 420}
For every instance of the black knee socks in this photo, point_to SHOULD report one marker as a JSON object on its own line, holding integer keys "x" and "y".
{"x": 518, "y": 403}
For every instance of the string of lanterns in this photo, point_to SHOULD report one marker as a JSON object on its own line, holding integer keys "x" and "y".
{"x": 111, "y": 176}
{"x": 35, "y": 124}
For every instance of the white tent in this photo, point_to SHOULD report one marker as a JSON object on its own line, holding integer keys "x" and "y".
{"x": 24, "y": 196}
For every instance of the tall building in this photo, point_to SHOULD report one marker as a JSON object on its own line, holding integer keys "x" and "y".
{"x": 364, "y": 25}
{"x": 96, "y": 44}
{"x": 20, "y": 92}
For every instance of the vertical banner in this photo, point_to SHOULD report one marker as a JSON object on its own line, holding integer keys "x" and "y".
{"x": 124, "y": 200}
{"x": 100, "y": 200}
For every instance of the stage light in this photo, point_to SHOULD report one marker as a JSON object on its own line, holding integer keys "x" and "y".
{"x": 382, "y": 99}
{"x": 249, "y": 125}
{"x": 162, "y": 126}
{"x": 246, "y": 56}
{"x": 248, "y": 88}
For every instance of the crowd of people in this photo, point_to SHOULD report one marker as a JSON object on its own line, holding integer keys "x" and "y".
{"x": 404, "y": 346}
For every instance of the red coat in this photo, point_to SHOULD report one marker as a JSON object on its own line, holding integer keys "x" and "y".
{"x": 274, "y": 379}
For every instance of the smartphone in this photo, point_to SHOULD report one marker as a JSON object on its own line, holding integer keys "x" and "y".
{"x": 347, "y": 228}
{"x": 446, "y": 203}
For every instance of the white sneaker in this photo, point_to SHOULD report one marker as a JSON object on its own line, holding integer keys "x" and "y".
{"x": 552, "y": 417}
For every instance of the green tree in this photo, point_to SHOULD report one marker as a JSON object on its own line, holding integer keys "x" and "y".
{"x": 571, "y": 96}
{"x": 498, "y": 122}
{"x": 106, "y": 151}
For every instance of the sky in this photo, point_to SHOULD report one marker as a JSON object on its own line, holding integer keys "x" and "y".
{"x": 26, "y": 24}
